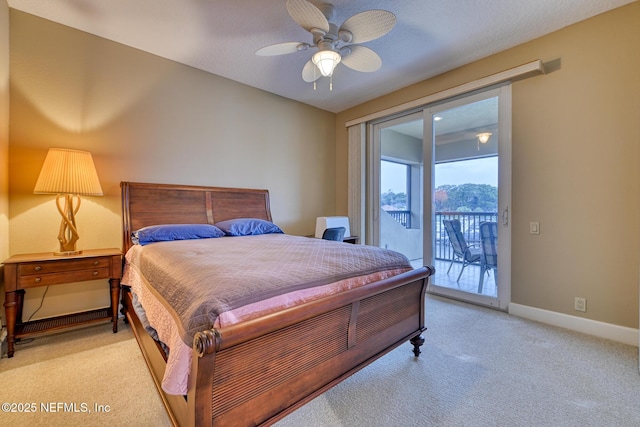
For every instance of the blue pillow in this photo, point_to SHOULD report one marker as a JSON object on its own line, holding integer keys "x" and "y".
{"x": 169, "y": 232}
{"x": 247, "y": 227}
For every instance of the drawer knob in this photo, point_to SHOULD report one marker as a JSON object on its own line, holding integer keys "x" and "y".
{"x": 95, "y": 273}
{"x": 38, "y": 279}
{"x": 38, "y": 268}
{"x": 95, "y": 262}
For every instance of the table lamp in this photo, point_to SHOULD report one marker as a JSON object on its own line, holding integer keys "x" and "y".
{"x": 69, "y": 174}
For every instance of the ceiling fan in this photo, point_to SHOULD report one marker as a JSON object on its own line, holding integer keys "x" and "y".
{"x": 335, "y": 44}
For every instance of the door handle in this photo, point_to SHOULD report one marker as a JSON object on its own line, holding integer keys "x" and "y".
{"x": 505, "y": 217}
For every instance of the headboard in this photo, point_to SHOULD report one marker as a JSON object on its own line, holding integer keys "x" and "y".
{"x": 145, "y": 204}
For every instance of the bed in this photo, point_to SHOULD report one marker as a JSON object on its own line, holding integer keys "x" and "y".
{"x": 258, "y": 369}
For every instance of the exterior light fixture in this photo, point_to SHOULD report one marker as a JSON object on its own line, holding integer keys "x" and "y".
{"x": 483, "y": 138}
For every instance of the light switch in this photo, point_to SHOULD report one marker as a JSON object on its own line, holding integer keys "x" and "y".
{"x": 534, "y": 227}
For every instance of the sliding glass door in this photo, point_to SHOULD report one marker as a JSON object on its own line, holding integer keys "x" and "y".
{"x": 469, "y": 152}
{"x": 439, "y": 191}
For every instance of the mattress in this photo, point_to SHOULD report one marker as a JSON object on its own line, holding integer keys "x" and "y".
{"x": 188, "y": 286}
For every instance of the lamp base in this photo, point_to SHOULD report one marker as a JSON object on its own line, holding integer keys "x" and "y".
{"x": 67, "y": 253}
{"x": 68, "y": 233}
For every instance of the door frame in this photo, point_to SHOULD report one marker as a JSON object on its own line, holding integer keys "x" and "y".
{"x": 503, "y": 92}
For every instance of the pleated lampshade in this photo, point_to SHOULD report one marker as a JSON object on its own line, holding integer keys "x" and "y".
{"x": 68, "y": 172}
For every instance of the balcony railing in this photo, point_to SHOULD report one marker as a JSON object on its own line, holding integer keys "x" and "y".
{"x": 469, "y": 222}
{"x": 403, "y": 217}
{"x": 470, "y": 225}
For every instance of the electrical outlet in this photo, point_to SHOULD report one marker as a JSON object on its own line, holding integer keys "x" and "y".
{"x": 580, "y": 304}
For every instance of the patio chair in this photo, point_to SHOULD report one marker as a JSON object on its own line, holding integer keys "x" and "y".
{"x": 334, "y": 233}
{"x": 489, "y": 244}
{"x": 461, "y": 250}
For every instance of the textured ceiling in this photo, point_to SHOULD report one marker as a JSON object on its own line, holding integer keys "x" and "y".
{"x": 221, "y": 37}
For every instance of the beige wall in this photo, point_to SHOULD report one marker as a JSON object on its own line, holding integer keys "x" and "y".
{"x": 576, "y": 163}
{"x": 4, "y": 142}
{"x": 148, "y": 119}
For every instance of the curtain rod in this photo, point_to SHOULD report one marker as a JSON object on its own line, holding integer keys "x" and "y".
{"x": 520, "y": 72}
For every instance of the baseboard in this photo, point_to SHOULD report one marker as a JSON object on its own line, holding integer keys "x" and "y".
{"x": 587, "y": 326}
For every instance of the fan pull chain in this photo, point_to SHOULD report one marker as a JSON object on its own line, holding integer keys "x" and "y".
{"x": 331, "y": 82}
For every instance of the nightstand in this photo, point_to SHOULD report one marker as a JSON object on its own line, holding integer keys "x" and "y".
{"x": 25, "y": 271}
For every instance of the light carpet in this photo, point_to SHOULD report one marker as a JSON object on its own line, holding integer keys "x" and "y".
{"x": 479, "y": 367}
{"x": 81, "y": 368}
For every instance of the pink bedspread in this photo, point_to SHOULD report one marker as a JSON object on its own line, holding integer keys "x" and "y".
{"x": 305, "y": 269}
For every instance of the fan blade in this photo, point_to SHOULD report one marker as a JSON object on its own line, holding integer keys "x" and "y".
{"x": 307, "y": 15}
{"x": 369, "y": 25}
{"x": 310, "y": 73}
{"x": 362, "y": 59}
{"x": 282, "y": 49}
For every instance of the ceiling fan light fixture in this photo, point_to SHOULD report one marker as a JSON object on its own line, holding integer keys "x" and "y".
{"x": 335, "y": 43}
{"x": 326, "y": 61}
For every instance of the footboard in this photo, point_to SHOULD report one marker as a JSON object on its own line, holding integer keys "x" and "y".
{"x": 257, "y": 372}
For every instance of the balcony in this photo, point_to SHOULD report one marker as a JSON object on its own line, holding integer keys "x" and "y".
{"x": 443, "y": 253}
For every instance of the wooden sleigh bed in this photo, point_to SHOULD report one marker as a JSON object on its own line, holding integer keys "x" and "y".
{"x": 256, "y": 372}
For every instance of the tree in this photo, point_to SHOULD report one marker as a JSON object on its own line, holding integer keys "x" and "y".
{"x": 466, "y": 198}
{"x": 397, "y": 201}
{"x": 450, "y": 198}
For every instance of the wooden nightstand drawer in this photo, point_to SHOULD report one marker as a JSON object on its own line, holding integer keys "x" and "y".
{"x": 46, "y": 267}
{"x": 33, "y": 280}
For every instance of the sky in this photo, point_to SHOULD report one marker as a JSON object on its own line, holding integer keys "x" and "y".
{"x": 475, "y": 171}
{"x": 478, "y": 171}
